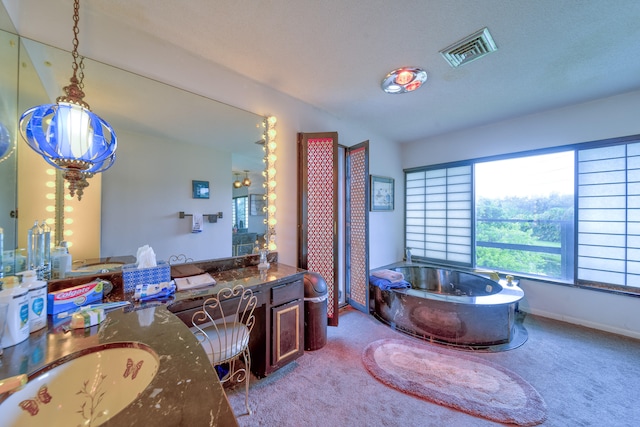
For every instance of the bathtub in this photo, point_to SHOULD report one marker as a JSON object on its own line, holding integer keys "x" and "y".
{"x": 452, "y": 307}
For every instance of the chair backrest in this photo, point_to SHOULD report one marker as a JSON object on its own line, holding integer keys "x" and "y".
{"x": 179, "y": 259}
{"x": 218, "y": 325}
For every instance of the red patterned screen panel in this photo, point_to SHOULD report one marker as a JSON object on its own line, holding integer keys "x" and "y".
{"x": 357, "y": 230}
{"x": 321, "y": 202}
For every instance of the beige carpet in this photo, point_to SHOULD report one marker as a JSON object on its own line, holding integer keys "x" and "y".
{"x": 455, "y": 379}
{"x": 587, "y": 378}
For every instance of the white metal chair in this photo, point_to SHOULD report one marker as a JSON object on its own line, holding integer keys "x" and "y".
{"x": 223, "y": 327}
{"x": 179, "y": 259}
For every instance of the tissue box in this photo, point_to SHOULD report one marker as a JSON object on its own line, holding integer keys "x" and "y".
{"x": 132, "y": 276}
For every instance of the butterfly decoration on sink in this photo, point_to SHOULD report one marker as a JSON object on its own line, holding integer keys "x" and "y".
{"x": 132, "y": 369}
{"x": 42, "y": 398}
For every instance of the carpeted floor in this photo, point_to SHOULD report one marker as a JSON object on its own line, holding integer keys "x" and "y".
{"x": 586, "y": 377}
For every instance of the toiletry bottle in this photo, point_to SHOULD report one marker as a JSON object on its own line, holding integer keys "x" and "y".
{"x": 65, "y": 245}
{"x": 17, "y": 325}
{"x": 60, "y": 263}
{"x": 46, "y": 250}
{"x": 37, "y": 293}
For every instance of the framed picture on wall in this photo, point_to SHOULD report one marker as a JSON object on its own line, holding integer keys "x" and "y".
{"x": 200, "y": 189}
{"x": 256, "y": 204}
{"x": 382, "y": 193}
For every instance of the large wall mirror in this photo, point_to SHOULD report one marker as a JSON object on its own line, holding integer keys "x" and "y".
{"x": 167, "y": 138}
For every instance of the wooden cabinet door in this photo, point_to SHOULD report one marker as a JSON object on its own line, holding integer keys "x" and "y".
{"x": 287, "y": 339}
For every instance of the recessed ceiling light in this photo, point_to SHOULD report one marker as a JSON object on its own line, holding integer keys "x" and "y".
{"x": 403, "y": 80}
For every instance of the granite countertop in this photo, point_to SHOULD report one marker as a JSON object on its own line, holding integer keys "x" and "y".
{"x": 185, "y": 391}
{"x": 249, "y": 277}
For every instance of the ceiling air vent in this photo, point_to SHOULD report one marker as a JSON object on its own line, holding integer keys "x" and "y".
{"x": 470, "y": 48}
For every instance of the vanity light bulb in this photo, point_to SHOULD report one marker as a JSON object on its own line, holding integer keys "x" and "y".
{"x": 51, "y": 171}
{"x": 272, "y": 157}
{"x": 272, "y": 185}
{"x": 272, "y": 222}
{"x": 68, "y": 209}
{"x": 272, "y": 196}
{"x": 68, "y": 221}
{"x": 50, "y": 196}
{"x": 50, "y": 184}
{"x": 50, "y": 208}
{"x": 272, "y": 120}
{"x": 272, "y": 246}
{"x": 271, "y": 209}
{"x": 271, "y": 172}
{"x": 272, "y": 146}
{"x": 68, "y": 233}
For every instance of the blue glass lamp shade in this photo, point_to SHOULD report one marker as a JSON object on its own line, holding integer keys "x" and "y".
{"x": 6, "y": 143}
{"x": 72, "y": 138}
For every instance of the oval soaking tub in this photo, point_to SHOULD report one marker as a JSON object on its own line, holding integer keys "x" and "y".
{"x": 453, "y": 307}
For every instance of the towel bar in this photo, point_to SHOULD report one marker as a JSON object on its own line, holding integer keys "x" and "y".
{"x": 211, "y": 217}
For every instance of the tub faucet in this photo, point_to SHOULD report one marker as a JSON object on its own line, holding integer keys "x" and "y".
{"x": 493, "y": 275}
{"x": 408, "y": 255}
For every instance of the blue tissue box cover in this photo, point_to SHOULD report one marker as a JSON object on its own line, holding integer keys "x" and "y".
{"x": 132, "y": 275}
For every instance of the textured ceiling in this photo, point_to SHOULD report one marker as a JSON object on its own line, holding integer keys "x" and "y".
{"x": 332, "y": 54}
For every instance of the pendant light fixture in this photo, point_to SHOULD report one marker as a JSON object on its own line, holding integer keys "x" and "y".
{"x": 246, "y": 182}
{"x": 68, "y": 134}
{"x": 237, "y": 183}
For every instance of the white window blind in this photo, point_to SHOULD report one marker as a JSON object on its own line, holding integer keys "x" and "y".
{"x": 609, "y": 214}
{"x": 438, "y": 214}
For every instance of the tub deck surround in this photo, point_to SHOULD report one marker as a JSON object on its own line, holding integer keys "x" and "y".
{"x": 184, "y": 392}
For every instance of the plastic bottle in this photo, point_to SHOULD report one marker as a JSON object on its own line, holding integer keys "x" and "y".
{"x": 17, "y": 325}
{"x": 37, "y": 293}
{"x": 60, "y": 263}
{"x": 65, "y": 245}
{"x": 46, "y": 249}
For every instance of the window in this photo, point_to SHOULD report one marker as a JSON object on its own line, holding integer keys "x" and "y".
{"x": 609, "y": 215}
{"x": 438, "y": 214}
{"x": 524, "y": 215}
{"x": 571, "y": 215}
{"x": 240, "y": 213}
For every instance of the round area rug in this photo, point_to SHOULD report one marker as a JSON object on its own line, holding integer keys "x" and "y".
{"x": 455, "y": 379}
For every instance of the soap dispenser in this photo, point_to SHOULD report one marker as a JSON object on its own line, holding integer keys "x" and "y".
{"x": 17, "y": 324}
{"x": 37, "y": 293}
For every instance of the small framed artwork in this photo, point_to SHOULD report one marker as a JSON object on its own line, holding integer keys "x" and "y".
{"x": 256, "y": 204}
{"x": 382, "y": 193}
{"x": 200, "y": 189}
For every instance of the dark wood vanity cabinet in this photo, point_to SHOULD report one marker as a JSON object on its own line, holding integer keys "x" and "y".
{"x": 287, "y": 323}
{"x": 277, "y": 337}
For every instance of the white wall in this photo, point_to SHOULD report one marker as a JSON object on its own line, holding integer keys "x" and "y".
{"x": 605, "y": 118}
{"x": 141, "y": 199}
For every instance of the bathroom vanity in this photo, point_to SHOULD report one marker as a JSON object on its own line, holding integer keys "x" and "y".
{"x": 278, "y": 335}
{"x": 185, "y": 390}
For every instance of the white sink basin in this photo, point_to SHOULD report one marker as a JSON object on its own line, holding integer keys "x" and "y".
{"x": 83, "y": 389}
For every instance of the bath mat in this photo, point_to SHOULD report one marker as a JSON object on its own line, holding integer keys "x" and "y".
{"x": 455, "y": 379}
